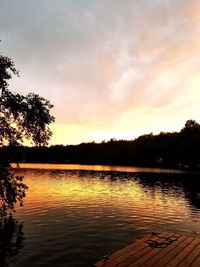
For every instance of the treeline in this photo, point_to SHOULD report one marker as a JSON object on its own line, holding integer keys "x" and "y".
{"x": 175, "y": 150}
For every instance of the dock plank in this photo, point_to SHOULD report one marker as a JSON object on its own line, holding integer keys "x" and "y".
{"x": 137, "y": 259}
{"x": 111, "y": 258}
{"x": 121, "y": 255}
{"x": 173, "y": 253}
{"x": 181, "y": 257}
{"x": 196, "y": 262}
{"x": 157, "y": 250}
{"x": 191, "y": 257}
{"x": 155, "y": 254}
{"x": 154, "y": 260}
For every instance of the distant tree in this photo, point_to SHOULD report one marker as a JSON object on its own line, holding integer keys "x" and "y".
{"x": 21, "y": 118}
{"x": 191, "y": 126}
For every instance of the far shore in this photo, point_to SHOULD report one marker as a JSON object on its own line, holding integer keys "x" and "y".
{"x": 50, "y": 166}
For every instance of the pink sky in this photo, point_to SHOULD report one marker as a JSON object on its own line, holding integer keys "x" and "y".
{"x": 112, "y": 69}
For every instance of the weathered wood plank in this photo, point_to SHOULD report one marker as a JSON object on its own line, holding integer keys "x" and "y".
{"x": 155, "y": 252}
{"x": 139, "y": 251}
{"x": 165, "y": 249}
{"x": 196, "y": 262}
{"x": 169, "y": 256}
{"x": 137, "y": 259}
{"x": 121, "y": 252}
{"x": 191, "y": 257}
{"x": 154, "y": 260}
{"x": 124, "y": 253}
{"x": 180, "y": 257}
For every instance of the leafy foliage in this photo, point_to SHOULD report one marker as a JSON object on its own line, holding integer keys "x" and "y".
{"x": 12, "y": 190}
{"x": 24, "y": 117}
{"x": 21, "y": 118}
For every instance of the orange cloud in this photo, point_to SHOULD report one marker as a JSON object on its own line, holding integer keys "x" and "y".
{"x": 111, "y": 69}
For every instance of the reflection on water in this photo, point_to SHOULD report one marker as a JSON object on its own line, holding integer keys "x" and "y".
{"x": 93, "y": 168}
{"x": 11, "y": 239}
{"x": 73, "y": 218}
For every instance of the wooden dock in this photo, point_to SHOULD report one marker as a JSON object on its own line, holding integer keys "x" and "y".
{"x": 157, "y": 250}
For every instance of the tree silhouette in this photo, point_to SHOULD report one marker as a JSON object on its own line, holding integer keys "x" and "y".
{"x": 21, "y": 118}
{"x": 191, "y": 126}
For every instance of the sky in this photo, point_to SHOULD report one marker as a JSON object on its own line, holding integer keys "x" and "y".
{"x": 111, "y": 68}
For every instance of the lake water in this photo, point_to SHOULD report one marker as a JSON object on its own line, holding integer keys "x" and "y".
{"x": 76, "y": 216}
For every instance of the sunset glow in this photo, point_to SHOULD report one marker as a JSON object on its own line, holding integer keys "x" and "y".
{"x": 76, "y": 190}
{"x": 112, "y": 69}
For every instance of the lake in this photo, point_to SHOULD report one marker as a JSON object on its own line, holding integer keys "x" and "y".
{"x": 73, "y": 215}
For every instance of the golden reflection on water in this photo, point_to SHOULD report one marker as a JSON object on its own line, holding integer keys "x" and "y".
{"x": 128, "y": 197}
{"x": 47, "y": 166}
{"x": 91, "y": 214}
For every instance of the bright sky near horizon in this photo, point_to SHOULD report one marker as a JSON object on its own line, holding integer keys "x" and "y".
{"x": 112, "y": 68}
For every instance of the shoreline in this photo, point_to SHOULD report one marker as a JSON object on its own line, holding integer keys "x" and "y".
{"x": 88, "y": 167}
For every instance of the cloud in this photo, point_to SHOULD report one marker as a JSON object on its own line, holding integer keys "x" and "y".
{"x": 101, "y": 62}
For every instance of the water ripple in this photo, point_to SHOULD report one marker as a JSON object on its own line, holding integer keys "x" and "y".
{"x": 73, "y": 218}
